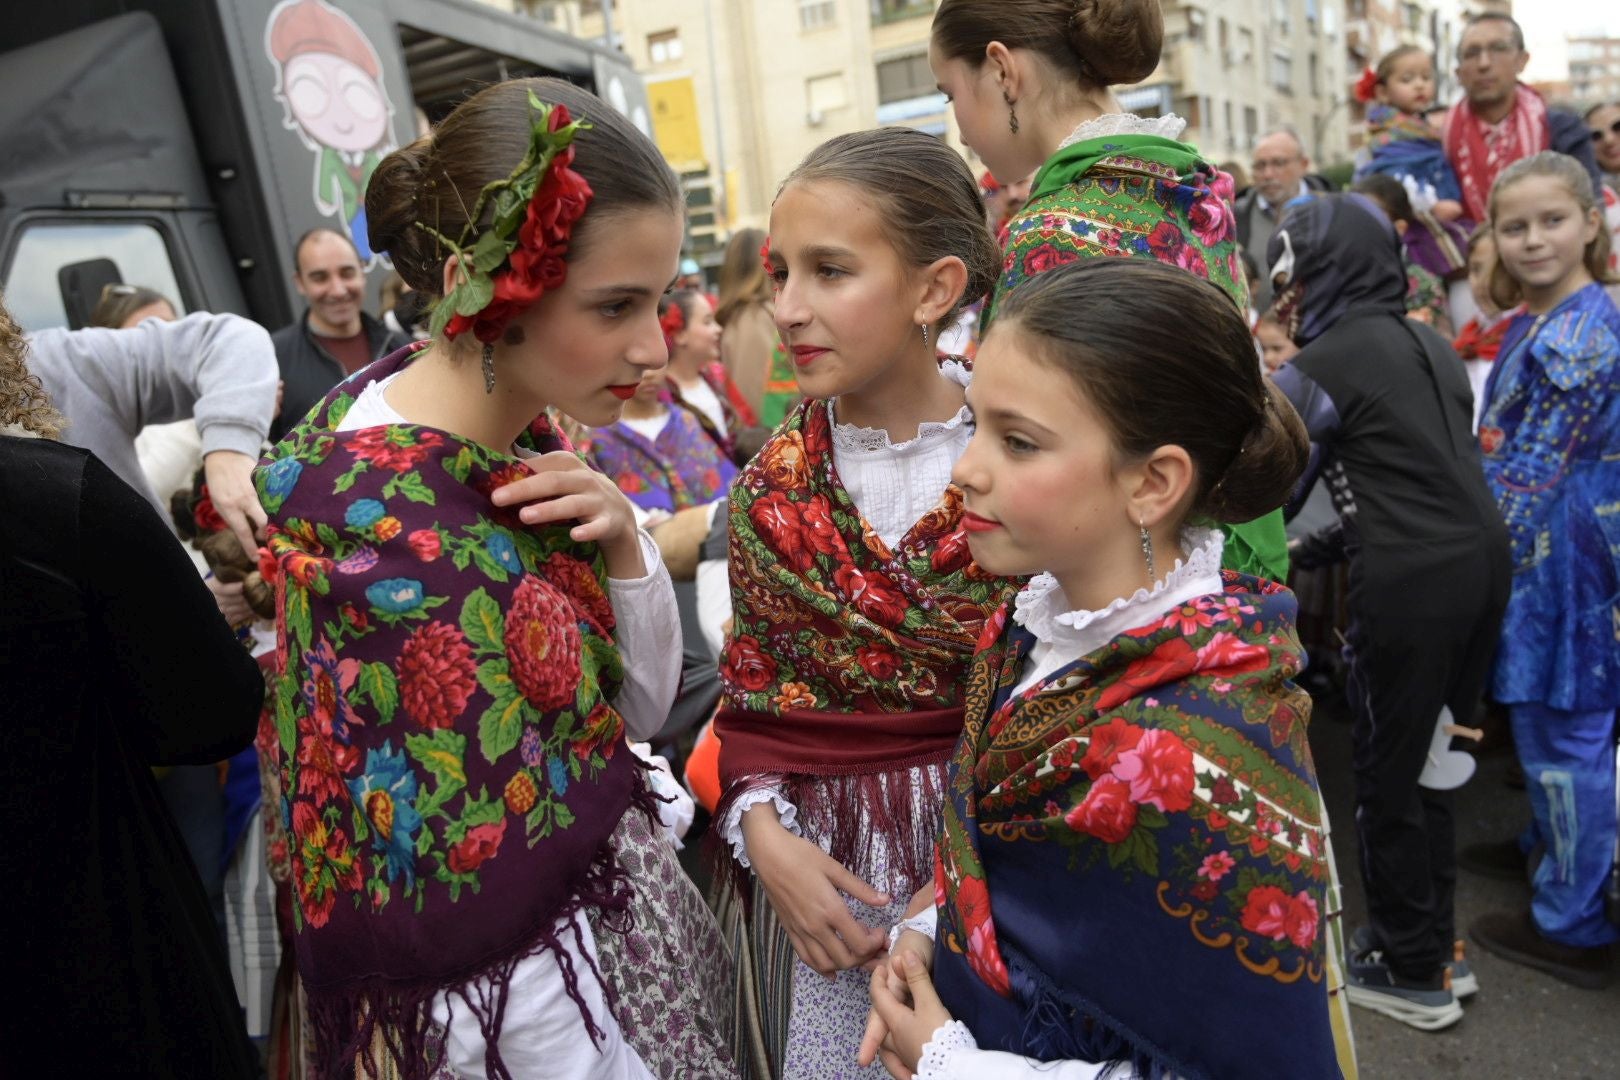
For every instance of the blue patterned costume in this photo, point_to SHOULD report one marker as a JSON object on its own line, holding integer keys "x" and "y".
{"x": 1551, "y": 440}
{"x": 1551, "y": 436}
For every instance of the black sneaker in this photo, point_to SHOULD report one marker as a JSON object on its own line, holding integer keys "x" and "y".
{"x": 1464, "y": 983}
{"x": 1513, "y": 936}
{"x": 1370, "y": 984}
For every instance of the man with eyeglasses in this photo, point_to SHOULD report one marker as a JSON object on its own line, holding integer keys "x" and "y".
{"x": 1281, "y": 172}
{"x": 1501, "y": 120}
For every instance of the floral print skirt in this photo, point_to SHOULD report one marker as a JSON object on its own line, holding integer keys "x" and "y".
{"x": 670, "y": 976}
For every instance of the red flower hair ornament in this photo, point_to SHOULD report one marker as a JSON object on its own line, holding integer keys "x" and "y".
{"x": 504, "y": 267}
{"x": 672, "y": 322}
{"x": 1366, "y": 86}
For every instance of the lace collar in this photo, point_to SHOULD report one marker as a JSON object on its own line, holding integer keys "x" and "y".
{"x": 851, "y": 439}
{"x": 1166, "y": 127}
{"x": 1042, "y": 609}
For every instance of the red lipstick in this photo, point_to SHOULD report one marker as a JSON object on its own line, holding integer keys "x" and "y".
{"x": 973, "y": 523}
{"x": 805, "y": 355}
{"x": 623, "y": 393}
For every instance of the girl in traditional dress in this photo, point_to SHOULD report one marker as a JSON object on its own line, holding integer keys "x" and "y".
{"x": 1551, "y": 437}
{"x": 478, "y": 881}
{"x": 1130, "y": 876}
{"x": 1028, "y": 81}
{"x": 696, "y": 376}
{"x": 749, "y": 347}
{"x": 1401, "y": 142}
{"x": 855, "y": 603}
{"x": 1480, "y": 338}
{"x": 660, "y": 454}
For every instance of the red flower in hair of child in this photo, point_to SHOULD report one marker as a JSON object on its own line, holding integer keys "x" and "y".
{"x": 1367, "y": 86}
{"x": 206, "y": 517}
{"x": 672, "y": 322}
{"x": 765, "y": 255}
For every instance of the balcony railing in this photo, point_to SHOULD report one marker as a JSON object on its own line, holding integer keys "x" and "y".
{"x": 888, "y": 11}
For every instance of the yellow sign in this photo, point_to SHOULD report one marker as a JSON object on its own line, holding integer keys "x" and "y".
{"x": 675, "y": 123}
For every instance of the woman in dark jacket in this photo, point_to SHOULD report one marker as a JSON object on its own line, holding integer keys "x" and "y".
{"x": 113, "y": 659}
{"x": 1388, "y": 407}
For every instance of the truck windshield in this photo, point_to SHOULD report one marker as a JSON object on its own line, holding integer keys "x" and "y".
{"x": 33, "y": 293}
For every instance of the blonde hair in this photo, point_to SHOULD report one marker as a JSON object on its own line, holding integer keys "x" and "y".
{"x": 119, "y": 301}
{"x": 1505, "y": 290}
{"x": 23, "y": 401}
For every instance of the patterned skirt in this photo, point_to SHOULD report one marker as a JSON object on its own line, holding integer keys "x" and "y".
{"x": 669, "y": 977}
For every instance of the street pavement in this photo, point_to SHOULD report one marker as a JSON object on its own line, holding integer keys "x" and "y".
{"x": 1522, "y": 1023}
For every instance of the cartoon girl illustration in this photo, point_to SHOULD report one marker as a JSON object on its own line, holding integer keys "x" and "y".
{"x": 330, "y": 80}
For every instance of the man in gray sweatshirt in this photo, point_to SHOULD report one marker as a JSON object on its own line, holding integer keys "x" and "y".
{"x": 219, "y": 370}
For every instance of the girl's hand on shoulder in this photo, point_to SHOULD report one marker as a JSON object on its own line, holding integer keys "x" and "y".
{"x": 561, "y": 487}
{"x": 806, "y": 888}
{"x": 910, "y": 1024}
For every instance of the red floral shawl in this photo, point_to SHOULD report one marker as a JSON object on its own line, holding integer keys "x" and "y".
{"x": 846, "y": 661}
{"x": 449, "y": 764}
{"x": 1477, "y": 161}
{"x": 1132, "y": 864}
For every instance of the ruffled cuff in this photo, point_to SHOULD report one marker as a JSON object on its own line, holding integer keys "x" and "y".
{"x": 940, "y": 1053}
{"x": 731, "y": 828}
{"x": 925, "y": 923}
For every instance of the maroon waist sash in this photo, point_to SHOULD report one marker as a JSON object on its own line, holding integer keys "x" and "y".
{"x": 849, "y": 777}
{"x": 818, "y": 743}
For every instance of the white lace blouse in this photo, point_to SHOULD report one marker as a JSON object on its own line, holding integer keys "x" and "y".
{"x": 1166, "y": 127}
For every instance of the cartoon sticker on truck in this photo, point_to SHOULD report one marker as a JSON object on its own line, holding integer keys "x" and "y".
{"x": 329, "y": 78}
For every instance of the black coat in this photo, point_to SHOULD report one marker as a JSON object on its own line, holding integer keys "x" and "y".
{"x": 114, "y": 659}
{"x": 310, "y": 371}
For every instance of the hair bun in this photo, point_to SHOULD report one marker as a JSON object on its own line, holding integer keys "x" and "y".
{"x": 393, "y": 200}
{"x": 1118, "y": 41}
{"x": 1273, "y": 457}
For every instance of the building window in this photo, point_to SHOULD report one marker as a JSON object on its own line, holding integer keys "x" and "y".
{"x": 1231, "y": 128}
{"x": 1245, "y": 46}
{"x": 823, "y": 94}
{"x": 1223, "y": 38}
{"x": 1282, "y": 71}
{"x": 1251, "y": 126}
{"x": 665, "y": 47}
{"x": 887, "y": 11}
{"x": 905, "y": 78}
{"x": 1312, "y": 12}
{"x": 1280, "y": 15}
{"x": 1315, "y": 75}
{"x": 815, "y": 14}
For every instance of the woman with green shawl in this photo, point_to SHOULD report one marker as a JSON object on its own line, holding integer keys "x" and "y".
{"x": 1028, "y": 81}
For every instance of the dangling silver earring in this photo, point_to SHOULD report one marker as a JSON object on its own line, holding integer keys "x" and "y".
{"x": 925, "y": 335}
{"x": 1147, "y": 551}
{"x": 489, "y": 368}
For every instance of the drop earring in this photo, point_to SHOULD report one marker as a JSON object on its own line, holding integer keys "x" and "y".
{"x": 489, "y": 368}
{"x": 1147, "y": 551}
{"x": 925, "y": 335}
{"x": 1012, "y": 113}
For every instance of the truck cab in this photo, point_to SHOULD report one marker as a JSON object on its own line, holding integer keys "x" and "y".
{"x": 184, "y": 145}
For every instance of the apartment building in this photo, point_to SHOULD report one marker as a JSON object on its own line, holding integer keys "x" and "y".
{"x": 1238, "y": 68}
{"x": 1594, "y": 70}
{"x": 742, "y": 90}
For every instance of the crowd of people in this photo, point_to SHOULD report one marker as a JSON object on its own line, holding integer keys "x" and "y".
{"x": 951, "y": 574}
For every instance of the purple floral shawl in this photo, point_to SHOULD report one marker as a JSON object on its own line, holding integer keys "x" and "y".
{"x": 451, "y": 766}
